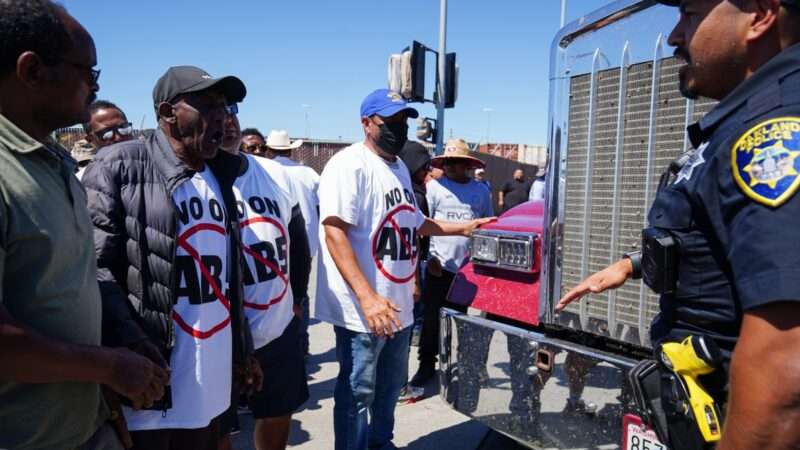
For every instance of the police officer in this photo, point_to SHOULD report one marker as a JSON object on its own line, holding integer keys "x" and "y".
{"x": 731, "y": 213}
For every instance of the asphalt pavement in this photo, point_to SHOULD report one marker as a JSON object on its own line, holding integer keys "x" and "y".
{"x": 428, "y": 424}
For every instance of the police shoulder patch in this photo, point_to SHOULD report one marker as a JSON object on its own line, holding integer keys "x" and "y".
{"x": 765, "y": 162}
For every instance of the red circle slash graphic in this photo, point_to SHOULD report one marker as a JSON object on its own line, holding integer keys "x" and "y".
{"x": 403, "y": 241}
{"x": 272, "y": 266}
{"x": 184, "y": 244}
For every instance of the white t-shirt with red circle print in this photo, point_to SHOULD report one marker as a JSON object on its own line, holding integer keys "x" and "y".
{"x": 305, "y": 183}
{"x": 201, "y": 359}
{"x": 265, "y": 210}
{"x": 376, "y": 198}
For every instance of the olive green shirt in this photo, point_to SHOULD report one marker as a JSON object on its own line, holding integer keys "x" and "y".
{"x": 48, "y": 281}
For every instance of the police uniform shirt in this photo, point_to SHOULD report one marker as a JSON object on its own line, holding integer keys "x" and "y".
{"x": 734, "y": 209}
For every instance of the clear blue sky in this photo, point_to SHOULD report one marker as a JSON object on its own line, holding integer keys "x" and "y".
{"x": 329, "y": 54}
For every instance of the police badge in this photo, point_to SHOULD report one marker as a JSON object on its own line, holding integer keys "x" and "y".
{"x": 765, "y": 161}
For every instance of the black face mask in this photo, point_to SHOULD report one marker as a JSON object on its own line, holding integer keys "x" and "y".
{"x": 393, "y": 137}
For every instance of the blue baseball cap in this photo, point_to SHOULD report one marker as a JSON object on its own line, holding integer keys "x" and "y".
{"x": 385, "y": 103}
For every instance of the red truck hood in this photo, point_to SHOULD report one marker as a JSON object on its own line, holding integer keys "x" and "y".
{"x": 527, "y": 217}
{"x": 501, "y": 292}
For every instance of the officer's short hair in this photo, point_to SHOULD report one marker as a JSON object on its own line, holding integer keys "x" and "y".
{"x": 793, "y": 14}
{"x": 793, "y": 10}
{"x": 31, "y": 25}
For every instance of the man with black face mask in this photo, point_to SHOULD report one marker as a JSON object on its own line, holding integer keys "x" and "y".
{"x": 370, "y": 223}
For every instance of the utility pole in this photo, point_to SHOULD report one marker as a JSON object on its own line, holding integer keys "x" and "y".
{"x": 563, "y": 12}
{"x": 488, "y": 112}
{"x": 441, "y": 78}
{"x": 306, "y": 107}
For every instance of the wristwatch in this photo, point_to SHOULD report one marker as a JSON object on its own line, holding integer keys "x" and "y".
{"x": 636, "y": 262}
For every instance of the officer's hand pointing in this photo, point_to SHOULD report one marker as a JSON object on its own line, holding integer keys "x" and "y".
{"x": 611, "y": 277}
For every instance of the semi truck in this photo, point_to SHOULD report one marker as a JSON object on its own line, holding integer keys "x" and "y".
{"x": 553, "y": 379}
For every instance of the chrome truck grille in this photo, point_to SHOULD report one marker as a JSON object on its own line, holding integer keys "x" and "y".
{"x": 621, "y": 137}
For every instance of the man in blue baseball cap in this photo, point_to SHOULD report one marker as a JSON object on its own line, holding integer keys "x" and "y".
{"x": 385, "y": 114}
{"x": 365, "y": 283}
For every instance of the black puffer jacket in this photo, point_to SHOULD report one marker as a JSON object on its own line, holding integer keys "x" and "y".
{"x": 129, "y": 187}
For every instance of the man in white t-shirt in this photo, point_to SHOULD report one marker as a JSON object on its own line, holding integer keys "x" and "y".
{"x": 166, "y": 238}
{"x": 367, "y": 267}
{"x": 275, "y": 274}
{"x": 305, "y": 183}
{"x": 538, "y": 186}
{"x": 455, "y": 197}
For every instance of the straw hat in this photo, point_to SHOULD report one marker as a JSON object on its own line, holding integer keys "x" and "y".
{"x": 279, "y": 140}
{"x": 82, "y": 151}
{"x": 457, "y": 149}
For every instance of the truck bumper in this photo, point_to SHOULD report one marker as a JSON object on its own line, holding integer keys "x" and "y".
{"x": 518, "y": 383}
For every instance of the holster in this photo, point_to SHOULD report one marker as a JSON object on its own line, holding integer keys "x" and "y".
{"x": 657, "y": 398}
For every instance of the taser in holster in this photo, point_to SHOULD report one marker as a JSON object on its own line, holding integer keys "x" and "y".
{"x": 689, "y": 359}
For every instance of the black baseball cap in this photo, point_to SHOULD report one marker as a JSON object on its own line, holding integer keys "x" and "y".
{"x": 186, "y": 79}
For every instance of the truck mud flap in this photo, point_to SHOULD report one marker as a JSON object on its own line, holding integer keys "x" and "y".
{"x": 543, "y": 392}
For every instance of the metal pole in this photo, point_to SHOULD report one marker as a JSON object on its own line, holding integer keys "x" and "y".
{"x": 306, "y": 107}
{"x": 488, "y": 112}
{"x": 441, "y": 78}
{"x": 563, "y": 12}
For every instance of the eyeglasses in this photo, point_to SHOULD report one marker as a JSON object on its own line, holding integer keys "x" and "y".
{"x": 106, "y": 134}
{"x": 94, "y": 74}
{"x": 232, "y": 110}
{"x": 254, "y": 148}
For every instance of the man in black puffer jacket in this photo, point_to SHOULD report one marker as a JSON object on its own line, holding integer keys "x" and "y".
{"x": 169, "y": 259}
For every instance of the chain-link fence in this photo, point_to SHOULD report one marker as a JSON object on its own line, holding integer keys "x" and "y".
{"x": 67, "y": 137}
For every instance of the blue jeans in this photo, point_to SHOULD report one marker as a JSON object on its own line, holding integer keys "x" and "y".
{"x": 372, "y": 371}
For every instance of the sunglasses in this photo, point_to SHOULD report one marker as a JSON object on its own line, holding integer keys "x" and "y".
{"x": 232, "y": 110}
{"x": 106, "y": 134}
{"x": 254, "y": 148}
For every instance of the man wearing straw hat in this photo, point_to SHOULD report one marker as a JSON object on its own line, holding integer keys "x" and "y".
{"x": 456, "y": 197}
{"x": 305, "y": 182}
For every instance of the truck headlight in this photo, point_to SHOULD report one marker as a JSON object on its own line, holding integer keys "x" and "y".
{"x": 514, "y": 252}
{"x": 504, "y": 249}
{"x": 484, "y": 248}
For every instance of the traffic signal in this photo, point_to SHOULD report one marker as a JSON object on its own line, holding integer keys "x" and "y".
{"x": 407, "y": 74}
{"x": 426, "y": 130}
{"x": 417, "y": 65}
{"x": 451, "y": 82}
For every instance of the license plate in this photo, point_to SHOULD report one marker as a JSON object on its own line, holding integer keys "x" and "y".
{"x": 639, "y": 437}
